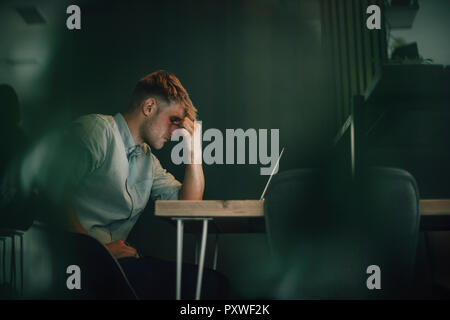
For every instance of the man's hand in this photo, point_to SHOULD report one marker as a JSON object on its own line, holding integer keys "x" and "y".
{"x": 192, "y": 132}
{"x": 194, "y": 181}
{"x": 119, "y": 249}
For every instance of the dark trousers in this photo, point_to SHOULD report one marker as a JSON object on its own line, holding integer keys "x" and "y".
{"x": 154, "y": 278}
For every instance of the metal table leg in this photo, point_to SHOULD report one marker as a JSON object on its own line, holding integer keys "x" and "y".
{"x": 202, "y": 259}
{"x": 179, "y": 257}
{"x": 197, "y": 241}
{"x": 216, "y": 252}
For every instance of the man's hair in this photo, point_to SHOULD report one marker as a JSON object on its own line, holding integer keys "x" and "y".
{"x": 163, "y": 85}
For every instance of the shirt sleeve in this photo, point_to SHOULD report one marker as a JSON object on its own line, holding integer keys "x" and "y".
{"x": 165, "y": 186}
{"x": 83, "y": 149}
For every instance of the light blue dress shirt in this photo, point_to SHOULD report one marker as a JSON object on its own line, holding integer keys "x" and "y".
{"x": 118, "y": 178}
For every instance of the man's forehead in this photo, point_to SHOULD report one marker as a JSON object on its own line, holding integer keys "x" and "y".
{"x": 175, "y": 109}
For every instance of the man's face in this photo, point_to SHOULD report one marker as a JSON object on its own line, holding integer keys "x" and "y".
{"x": 159, "y": 128}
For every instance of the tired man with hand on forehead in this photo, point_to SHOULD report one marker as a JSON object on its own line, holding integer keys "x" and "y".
{"x": 118, "y": 173}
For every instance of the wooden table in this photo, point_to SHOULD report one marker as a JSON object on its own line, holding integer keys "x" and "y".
{"x": 434, "y": 214}
{"x": 204, "y": 211}
{"x": 229, "y": 216}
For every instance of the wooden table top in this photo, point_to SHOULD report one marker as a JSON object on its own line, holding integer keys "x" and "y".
{"x": 434, "y": 214}
{"x": 210, "y": 208}
{"x": 229, "y": 215}
{"x": 255, "y": 208}
{"x": 434, "y": 207}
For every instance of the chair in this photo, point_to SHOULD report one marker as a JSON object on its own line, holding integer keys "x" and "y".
{"x": 388, "y": 200}
{"x": 300, "y": 223}
{"x": 325, "y": 231}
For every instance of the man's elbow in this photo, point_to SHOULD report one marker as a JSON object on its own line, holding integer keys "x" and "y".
{"x": 190, "y": 194}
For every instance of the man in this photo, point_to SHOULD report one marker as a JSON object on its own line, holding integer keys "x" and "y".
{"x": 110, "y": 174}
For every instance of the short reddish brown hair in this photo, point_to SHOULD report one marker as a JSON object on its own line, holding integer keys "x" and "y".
{"x": 165, "y": 86}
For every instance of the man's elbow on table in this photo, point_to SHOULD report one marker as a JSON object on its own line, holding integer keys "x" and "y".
{"x": 193, "y": 184}
{"x": 190, "y": 193}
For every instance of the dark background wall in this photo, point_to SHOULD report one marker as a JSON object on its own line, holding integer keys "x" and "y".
{"x": 251, "y": 64}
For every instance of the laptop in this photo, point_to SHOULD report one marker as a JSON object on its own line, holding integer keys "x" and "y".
{"x": 270, "y": 177}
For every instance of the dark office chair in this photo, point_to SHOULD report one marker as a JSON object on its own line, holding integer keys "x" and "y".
{"x": 325, "y": 232}
{"x": 296, "y": 202}
{"x": 101, "y": 275}
{"x": 301, "y": 224}
{"x": 387, "y": 203}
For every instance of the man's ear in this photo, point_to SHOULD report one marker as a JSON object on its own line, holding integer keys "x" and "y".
{"x": 148, "y": 106}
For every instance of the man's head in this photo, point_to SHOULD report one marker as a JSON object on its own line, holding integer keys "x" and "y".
{"x": 160, "y": 103}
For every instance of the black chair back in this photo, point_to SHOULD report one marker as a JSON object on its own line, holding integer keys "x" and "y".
{"x": 325, "y": 232}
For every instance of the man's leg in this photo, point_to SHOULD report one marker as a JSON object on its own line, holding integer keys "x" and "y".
{"x": 154, "y": 278}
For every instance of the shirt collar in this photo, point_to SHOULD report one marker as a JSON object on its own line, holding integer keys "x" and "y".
{"x": 125, "y": 133}
{"x": 131, "y": 148}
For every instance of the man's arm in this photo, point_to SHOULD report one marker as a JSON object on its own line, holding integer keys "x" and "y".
{"x": 77, "y": 161}
{"x": 194, "y": 180}
{"x": 193, "y": 183}
{"x": 69, "y": 164}
{"x": 119, "y": 249}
